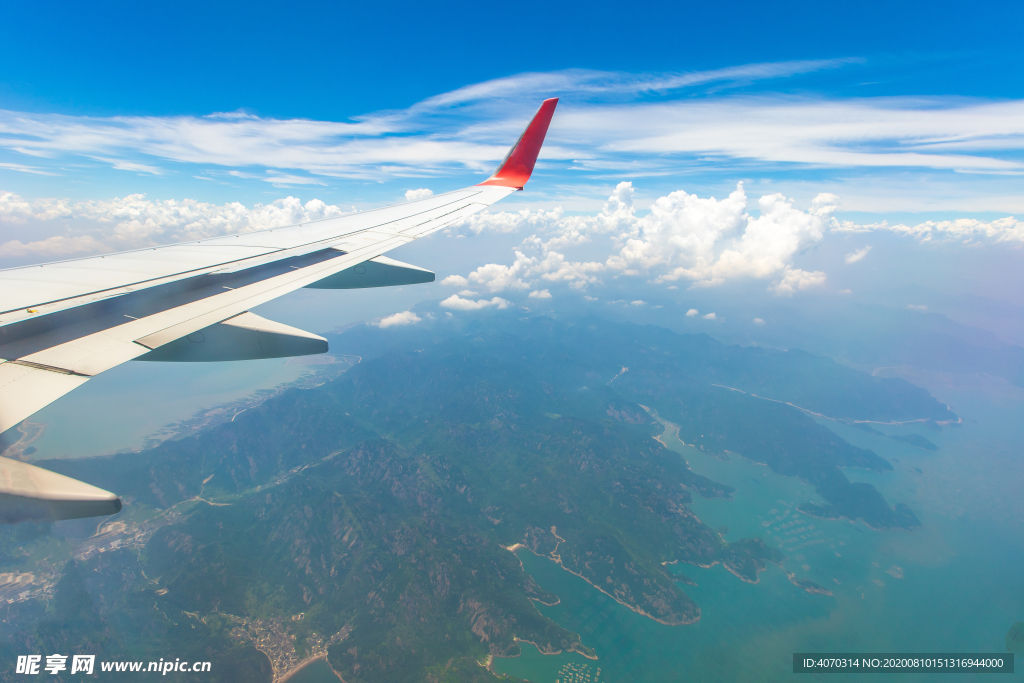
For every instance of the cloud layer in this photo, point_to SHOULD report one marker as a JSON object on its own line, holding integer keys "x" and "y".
{"x": 702, "y": 241}
{"x": 97, "y": 226}
{"x": 697, "y": 241}
{"x": 613, "y": 122}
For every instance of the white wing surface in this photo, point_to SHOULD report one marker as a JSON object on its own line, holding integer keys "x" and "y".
{"x": 63, "y": 323}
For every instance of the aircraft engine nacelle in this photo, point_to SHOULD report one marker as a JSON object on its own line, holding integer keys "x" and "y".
{"x": 377, "y": 272}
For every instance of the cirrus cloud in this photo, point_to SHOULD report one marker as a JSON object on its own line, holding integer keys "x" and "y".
{"x": 647, "y": 123}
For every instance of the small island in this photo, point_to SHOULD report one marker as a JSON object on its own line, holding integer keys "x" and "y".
{"x": 808, "y": 585}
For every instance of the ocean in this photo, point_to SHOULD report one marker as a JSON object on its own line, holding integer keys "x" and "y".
{"x": 953, "y": 585}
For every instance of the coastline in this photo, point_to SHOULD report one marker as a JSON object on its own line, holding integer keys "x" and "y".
{"x": 490, "y": 658}
{"x": 303, "y": 664}
{"x": 558, "y": 560}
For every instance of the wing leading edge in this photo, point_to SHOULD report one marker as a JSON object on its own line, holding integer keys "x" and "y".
{"x": 63, "y": 323}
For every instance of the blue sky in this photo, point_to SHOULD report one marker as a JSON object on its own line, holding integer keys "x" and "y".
{"x": 111, "y": 86}
{"x": 335, "y": 60}
{"x": 781, "y": 146}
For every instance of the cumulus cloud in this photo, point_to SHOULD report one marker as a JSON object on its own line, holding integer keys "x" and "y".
{"x": 758, "y": 321}
{"x": 134, "y": 221}
{"x": 858, "y": 255}
{"x": 422, "y": 193}
{"x": 638, "y": 302}
{"x": 396, "y": 319}
{"x": 457, "y": 303}
{"x": 710, "y": 316}
{"x": 496, "y": 277}
{"x": 693, "y": 312}
{"x": 705, "y": 241}
{"x": 542, "y": 264}
{"x": 540, "y": 294}
{"x": 795, "y": 279}
{"x": 710, "y": 241}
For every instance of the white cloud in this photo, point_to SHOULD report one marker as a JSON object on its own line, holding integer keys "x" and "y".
{"x": 21, "y": 168}
{"x": 52, "y": 247}
{"x": 692, "y": 313}
{"x": 403, "y": 318}
{"x": 511, "y": 221}
{"x": 1007, "y": 229}
{"x": 496, "y": 277}
{"x": 373, "y": 147}
{"x": 638, "y": 302}
{"x": 710, "y": 316}
{"x": 457, "y": 303}
{"x": 758, "y": 321}
{"x": 917, "y": 307}
{"x": 587, "y": 82}
{"x": 710, "y": 241}
{"x": 133, "y": 221}
{"x": 615, "y": 120}
{"x": 589, "y": 298}
{"x": 704, "y": 240}
{"x": 936, "y": 133}
{"x": 455, "y": 281}
{"x": 546, "y": 265}
{"x": 795, "y": 279}
{"x": 468, "y": 292}
{"x": 846, "y": 291}
{"x": 422, "y": 193}
{"x": 540, "y": 294}
{"x": 288, "y": 179}
{"x": 855, "y": 256}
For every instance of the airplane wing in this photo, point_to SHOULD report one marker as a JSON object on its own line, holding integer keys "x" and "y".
{"x": 64, "y": 323}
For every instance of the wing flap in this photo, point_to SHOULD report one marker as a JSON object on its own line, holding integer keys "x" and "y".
{"x": 245, "y": 337}
{"x": 24, "y": 389}
{"x": 376, "y": 272}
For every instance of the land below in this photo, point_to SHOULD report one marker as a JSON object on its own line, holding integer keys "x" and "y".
{"x": 368, "y": 519}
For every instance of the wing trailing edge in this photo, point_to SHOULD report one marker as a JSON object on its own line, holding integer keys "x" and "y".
{"x": 246, "y": 336}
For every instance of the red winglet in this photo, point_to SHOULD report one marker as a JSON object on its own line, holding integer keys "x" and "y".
{"x": 518, "y": 164}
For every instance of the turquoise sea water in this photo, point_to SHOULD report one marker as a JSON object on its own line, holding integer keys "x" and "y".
{"x": 954, "y": 585}
{"x": 122, "y": 407}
